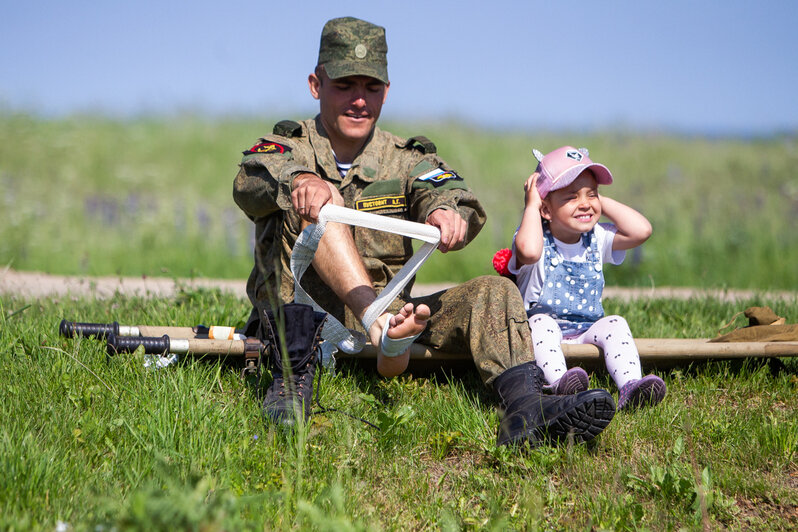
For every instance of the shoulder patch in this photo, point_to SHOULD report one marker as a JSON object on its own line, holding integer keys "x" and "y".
{"x": 268, "y": 147}
{"x": 287, "y": 128}
{"x": 423, "y": 143}
{"x": 438, "y": 176}
{"x": 422, "y": 167}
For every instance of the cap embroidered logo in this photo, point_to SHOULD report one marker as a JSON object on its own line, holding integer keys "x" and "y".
{"x": 573, "y": 154}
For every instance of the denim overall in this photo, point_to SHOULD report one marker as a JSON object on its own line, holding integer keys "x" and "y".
{"x": 571, "y": 290}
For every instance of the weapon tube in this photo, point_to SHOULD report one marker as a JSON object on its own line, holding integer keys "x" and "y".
{"x": 128, "y": 344}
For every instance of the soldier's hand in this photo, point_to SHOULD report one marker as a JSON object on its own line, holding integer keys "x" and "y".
{"x": 452, "y": 226}
{"x": 310, "y": 194}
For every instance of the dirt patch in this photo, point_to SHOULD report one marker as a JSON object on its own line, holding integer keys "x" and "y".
{"x": 43, "y": 285}
{"x": 758, "y": 514}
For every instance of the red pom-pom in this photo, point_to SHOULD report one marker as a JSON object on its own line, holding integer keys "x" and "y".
{"x": 500, "y": 260}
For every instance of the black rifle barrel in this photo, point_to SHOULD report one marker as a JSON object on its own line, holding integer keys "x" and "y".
{"x": 128, "y": 344}
{"x": 72, "y": 329}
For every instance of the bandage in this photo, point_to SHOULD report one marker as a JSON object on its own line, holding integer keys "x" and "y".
{"x": 305, "y": 248}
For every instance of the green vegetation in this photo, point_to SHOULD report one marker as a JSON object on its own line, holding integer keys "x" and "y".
{"x": 102, "y": 443}
{"x": 89, "y": 195}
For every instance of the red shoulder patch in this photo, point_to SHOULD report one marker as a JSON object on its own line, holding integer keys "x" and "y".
{"x": 268, "y": 147}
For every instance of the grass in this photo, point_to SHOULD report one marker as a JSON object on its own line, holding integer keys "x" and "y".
{"x": 102, "y": 443}
{"x": 153, "y": 196}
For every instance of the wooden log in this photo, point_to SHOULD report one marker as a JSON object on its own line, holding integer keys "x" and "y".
{"x": 650, "y": 349}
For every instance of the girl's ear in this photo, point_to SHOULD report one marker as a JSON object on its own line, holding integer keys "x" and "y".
{"x": 545, "y": 211}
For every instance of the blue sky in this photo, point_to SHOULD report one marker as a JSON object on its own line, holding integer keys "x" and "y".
{"x": 714, "y": 67}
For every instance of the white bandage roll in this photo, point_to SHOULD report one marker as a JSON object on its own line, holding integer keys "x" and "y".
{"x": 307, "y": 243}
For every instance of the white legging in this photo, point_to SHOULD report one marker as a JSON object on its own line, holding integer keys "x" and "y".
{"x": 610, "y": 333}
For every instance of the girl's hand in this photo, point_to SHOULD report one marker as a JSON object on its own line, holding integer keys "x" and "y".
{"x": 632, "y": 228}
{"x": 532, "y": 196}
{"x": 528, "y": 242}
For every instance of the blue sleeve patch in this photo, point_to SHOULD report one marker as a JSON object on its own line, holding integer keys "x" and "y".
{"x": 439, "y": 176}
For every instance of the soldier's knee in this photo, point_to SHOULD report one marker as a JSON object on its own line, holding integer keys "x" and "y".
{"x": 508, "y": 291}
{"x": 499, "y": 293}
{"x": 505, "y": 284}
{"x": 494, "y": 285}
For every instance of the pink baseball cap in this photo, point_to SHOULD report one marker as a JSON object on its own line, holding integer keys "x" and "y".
{"x": 561, "y": 167}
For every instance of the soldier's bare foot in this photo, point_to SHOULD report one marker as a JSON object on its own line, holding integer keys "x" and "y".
{"x": 408, "y": 322}
{"x": 403, "y": 328}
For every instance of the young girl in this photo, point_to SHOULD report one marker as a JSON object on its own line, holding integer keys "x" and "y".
{"x": 557, "y": 257}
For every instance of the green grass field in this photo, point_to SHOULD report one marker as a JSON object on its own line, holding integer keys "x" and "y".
{"x": 102, "y": 443}
{"x": 92, "y": 196}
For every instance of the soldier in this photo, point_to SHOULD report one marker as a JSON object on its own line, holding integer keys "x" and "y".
{"x": 341, "y": 157}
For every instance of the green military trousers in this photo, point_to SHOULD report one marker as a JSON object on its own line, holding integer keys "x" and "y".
{"x": 484, "y": 317}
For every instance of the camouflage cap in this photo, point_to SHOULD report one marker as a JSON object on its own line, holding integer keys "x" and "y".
{"x": 353, "y": 47}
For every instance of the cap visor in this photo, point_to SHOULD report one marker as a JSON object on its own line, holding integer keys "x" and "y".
{"x": 336, "y": 70}
{"x": 602, "y": 173}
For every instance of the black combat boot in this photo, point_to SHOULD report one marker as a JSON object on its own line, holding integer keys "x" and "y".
{"x": 291, "y": 391}
{"x": 530, "y": 416}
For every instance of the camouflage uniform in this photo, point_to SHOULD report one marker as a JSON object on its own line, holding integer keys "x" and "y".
{"x": 484, "y": 317}
{"x": 405, "y": 179}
